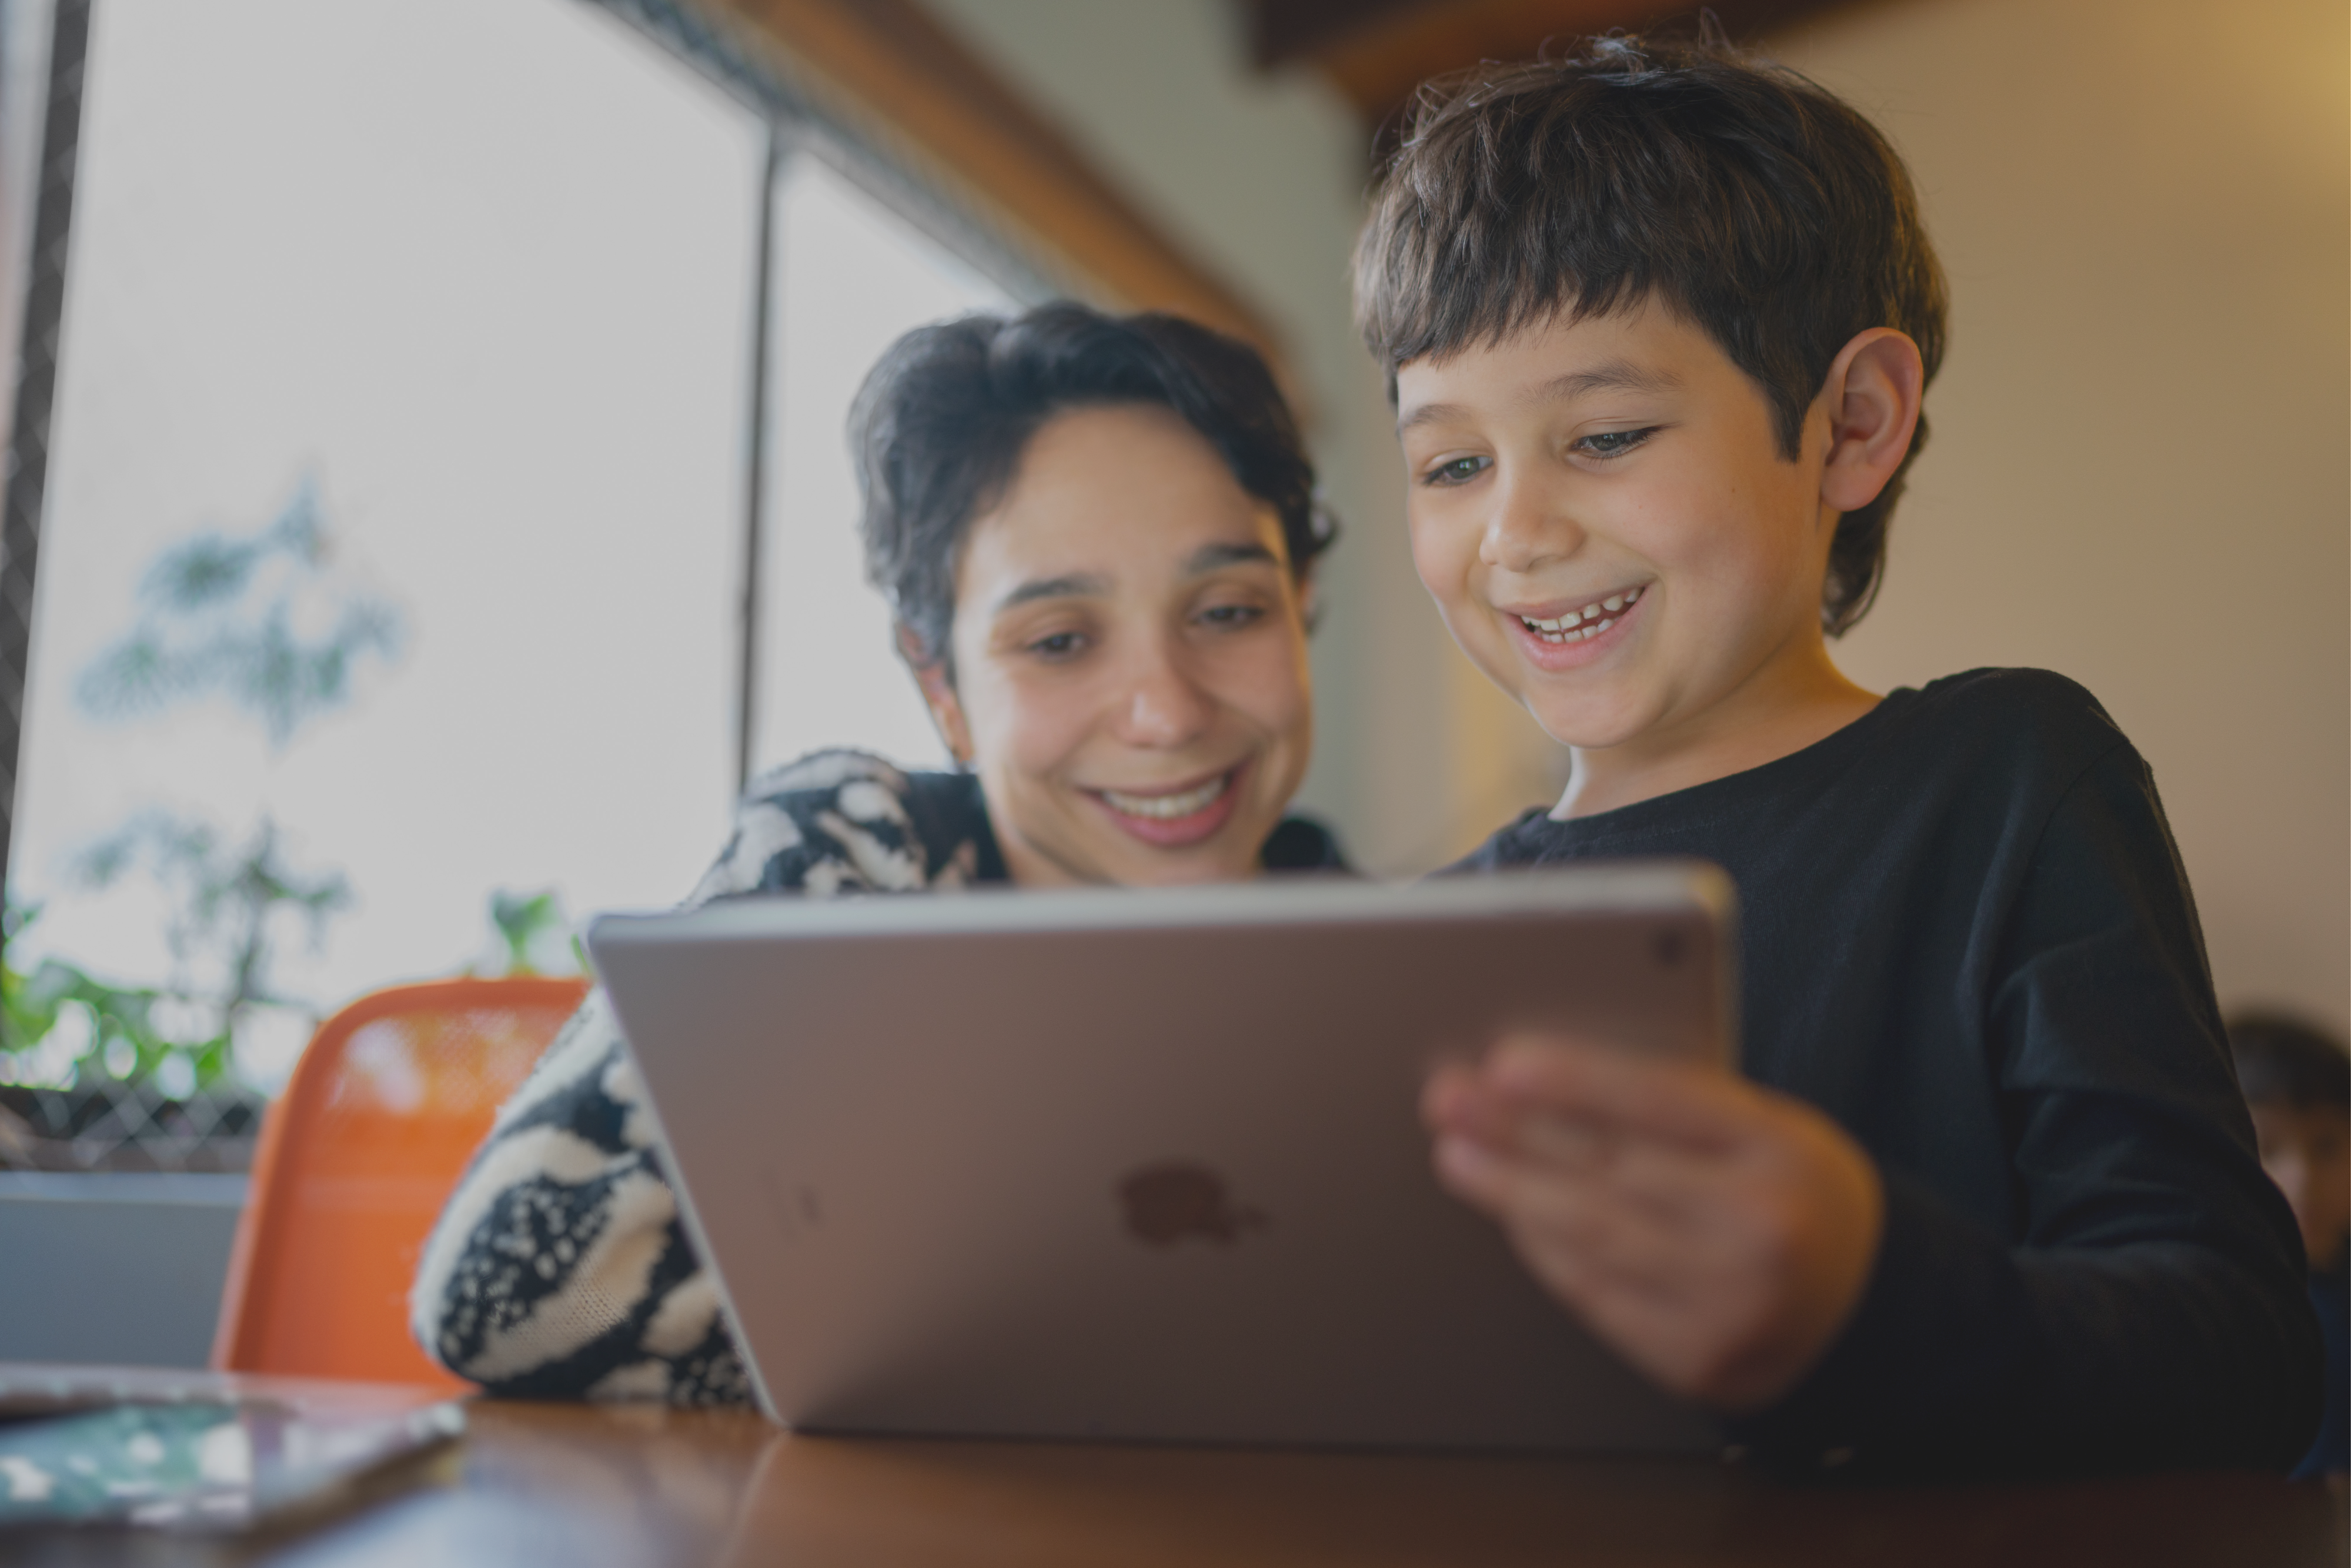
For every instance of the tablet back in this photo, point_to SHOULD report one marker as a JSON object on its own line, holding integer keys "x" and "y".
{"x": 1147, "y": 1164}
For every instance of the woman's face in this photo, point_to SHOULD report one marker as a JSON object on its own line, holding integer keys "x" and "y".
{"x": 1130, "y": 658}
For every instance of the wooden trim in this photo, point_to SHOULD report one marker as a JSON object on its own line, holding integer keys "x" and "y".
{"x": 1376, "y": 52}
{"x": 887, "y": 65}
{"x": 1281, "y": 31}
{"x": 1378, "y": 66}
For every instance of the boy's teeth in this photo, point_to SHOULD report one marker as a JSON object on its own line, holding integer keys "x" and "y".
{"x": 1572, "y": 627}
{"x": 1168, "y": 808}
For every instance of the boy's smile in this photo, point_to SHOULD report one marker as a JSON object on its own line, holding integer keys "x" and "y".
{"x": 1603, "y": 512}
{"x": 1564, "y": 637}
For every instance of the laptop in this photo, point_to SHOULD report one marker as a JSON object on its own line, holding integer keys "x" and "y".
{"x": 1148, "y": 1164}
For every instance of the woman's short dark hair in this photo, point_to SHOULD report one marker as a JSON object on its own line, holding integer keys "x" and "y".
{"x": 939, "y": 428}
{"x": 1753, "y": 203}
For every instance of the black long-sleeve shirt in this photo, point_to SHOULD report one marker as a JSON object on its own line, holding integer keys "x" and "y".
{"x": 1967, "y": 936}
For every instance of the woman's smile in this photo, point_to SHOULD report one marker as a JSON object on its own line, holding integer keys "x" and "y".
{"x": 1170, "y": 818}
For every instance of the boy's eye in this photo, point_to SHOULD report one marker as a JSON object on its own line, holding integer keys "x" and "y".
{"x": 1057, "y": 645}
{"x": 1232, "y": 616}
{"x": 1613, "y": 442}
{"x": 1460, "y": 471}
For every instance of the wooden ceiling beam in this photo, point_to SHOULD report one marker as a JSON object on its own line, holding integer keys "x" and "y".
{"x": 1377, "y": 51}
{"x": 890, "y": 68}
{"x": 1281, "y": 31}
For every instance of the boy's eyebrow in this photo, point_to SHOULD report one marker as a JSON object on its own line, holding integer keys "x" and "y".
{"x": 1611, "y": 375}
{"x": 1428, "y": 414}
{"x": 1074, "y": 585}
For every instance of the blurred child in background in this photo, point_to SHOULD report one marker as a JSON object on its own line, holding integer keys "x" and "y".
{"x": 2299, "y": 1086}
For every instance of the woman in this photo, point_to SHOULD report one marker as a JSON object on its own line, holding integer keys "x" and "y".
{"x": 1097, "y": 535}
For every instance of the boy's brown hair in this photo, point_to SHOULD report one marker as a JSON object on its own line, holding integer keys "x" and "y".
{"x": 1753, "y": 203}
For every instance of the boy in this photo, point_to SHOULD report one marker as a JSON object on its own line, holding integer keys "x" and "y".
{"x": 2299, "y": 1088}
{"x": 1658, "y": 321}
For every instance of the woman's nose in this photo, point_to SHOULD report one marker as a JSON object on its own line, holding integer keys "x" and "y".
{"x": 1528, "y": 528}
{"x": 1162, "y": 705}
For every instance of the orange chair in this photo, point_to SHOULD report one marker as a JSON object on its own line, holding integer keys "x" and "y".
{"x": 356, "y": 1158}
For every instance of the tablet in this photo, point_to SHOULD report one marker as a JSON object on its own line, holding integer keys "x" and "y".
{"x": 1148, "y": 1164}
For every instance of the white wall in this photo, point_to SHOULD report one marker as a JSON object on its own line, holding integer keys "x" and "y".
{"x": 2138, "y": 470}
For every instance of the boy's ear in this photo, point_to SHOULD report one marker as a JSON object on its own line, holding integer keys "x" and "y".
{"x": 939, "y": 694}
{"x": 1873, "y": 393}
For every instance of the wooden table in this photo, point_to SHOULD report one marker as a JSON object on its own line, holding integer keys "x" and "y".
{"x": 581, "y": 1487}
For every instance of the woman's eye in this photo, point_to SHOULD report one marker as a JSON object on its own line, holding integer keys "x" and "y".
{"x": 1460, "y": 471}
{"x": 1613, "y": 442}
{"x": 1058, "y": 645}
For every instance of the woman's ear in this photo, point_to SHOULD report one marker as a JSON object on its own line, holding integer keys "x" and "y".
{"x": 939, "y": 694}
{"x": 1873, "y": 392}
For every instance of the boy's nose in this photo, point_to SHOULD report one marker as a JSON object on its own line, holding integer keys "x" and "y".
{"x": 1527, "y": 529}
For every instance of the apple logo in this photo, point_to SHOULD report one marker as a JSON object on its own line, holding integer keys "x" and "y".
{"x": 1167, "y": 1202}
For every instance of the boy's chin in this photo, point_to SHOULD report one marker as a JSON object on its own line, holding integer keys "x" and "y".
{"x": 1587, "y": 718}
{"x": 1586, "y": 724}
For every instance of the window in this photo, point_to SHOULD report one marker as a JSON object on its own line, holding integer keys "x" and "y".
{"x": 851, "y": 276}
{"x": 408, "y": 363}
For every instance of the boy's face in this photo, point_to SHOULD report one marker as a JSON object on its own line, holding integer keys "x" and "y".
{"x": 1618, "y": 478}
{"x": 2303, "y": 1148}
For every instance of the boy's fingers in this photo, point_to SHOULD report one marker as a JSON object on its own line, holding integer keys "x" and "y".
{"x": 1457, "y": 1098}
{"x": 1497, "y": 1179}
{"x": 1667, "y": 1177}
{"x": 1609, "y": 1253}
{"x": 1534, "y": 1206}
{"x": 1671, "y": 1182}
{"x": 1669, "y": 1099}
{"x": 1470, "y": 1171}
{"x": 1569, "y": 1144}
{"x": 1588, "y": 1239}
{"x": 1451, "y": 1087}
{"x": 1649, "y": 1192}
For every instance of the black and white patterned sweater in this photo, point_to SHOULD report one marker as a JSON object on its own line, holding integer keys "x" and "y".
{"x": 560, "y": 1269}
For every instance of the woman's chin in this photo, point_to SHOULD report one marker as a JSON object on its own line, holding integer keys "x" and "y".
{"x": 1229, "y": 854}
{"x": 1201, "y": 871}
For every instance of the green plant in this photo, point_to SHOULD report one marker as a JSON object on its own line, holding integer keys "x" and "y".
{"x": 531, "y": 928}
{"x": 228, "y": 901}
{"x": 125, "y": 1035}
{"x": 268, "y": 623}
{"x": 262, "y": 620}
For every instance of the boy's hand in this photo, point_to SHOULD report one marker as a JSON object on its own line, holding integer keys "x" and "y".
{"x": 1716, "y": 1234}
